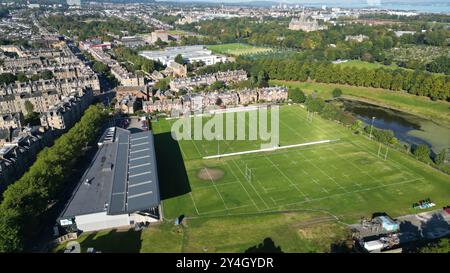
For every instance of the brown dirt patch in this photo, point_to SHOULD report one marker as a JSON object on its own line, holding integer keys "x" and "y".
{"x": 209, "y": 174}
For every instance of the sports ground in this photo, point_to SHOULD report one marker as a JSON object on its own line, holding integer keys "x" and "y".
{"x": 347, "y": 178}
{"x": 301, "y": 197}
{"x": 237, "y": 49}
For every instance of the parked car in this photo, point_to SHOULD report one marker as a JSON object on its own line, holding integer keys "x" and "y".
{"x": 447, "y": 209}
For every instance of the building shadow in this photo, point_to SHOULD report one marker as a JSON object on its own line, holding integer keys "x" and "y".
{"x": 135, "y": 130}
{"x": 173, "y": 179}
{"x": 343, "y": 246}
{"x": 267, "y": 246}
{"x": 114, "y": 241}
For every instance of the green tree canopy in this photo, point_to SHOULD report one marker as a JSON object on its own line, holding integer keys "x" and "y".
{"x": 314, "y": 104}
{"x": 179, "y": 59}
{"x": 296, "y": 95}
{"x": 440, "y": 157}
{"x": 422, "y": 153}
{"x": 337, "y": 92}
{"x": 29, "y": 107}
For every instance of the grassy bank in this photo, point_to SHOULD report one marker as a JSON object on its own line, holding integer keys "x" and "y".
{"x": 438, "y": 111}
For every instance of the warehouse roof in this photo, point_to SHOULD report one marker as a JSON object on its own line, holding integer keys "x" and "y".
{"x": 122, "y": 177}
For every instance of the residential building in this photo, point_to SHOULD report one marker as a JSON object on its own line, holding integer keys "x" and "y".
{"x": 127, "y": 78}
{"x": 207, "y": 79}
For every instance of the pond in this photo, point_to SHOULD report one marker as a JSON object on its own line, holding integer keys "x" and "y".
{"x": 408, "y": 128}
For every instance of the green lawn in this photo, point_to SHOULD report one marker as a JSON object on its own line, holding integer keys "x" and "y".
{"x": 438, "y": 111}
{"x": 367, "y": 65}
{"x": 237, "y": 49}
{"x": 295, "y": 196}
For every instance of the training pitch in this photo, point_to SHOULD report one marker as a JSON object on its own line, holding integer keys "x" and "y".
{"x": 237, "y": 49}
{"x": 347, "y": 178}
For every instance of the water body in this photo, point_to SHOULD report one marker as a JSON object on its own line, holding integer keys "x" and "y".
{"x": 407, "y": 128}
{"x": 425, "y": 6}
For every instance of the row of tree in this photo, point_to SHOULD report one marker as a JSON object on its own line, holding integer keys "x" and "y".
{"x": 27, "y": 200}
{"x": 435, "y": 86}
{"x": 135, "y": 61}
{"x": 91, "y": 26}
{"x": 8, "y": 78}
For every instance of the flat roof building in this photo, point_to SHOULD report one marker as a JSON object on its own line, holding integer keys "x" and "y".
{"x": 192, "y": 54}
{"x": 121, "y": 186}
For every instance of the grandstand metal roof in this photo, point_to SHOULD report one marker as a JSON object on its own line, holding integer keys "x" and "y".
{"x": 123, "y": 177}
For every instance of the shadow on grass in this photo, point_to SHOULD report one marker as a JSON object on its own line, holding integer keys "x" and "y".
{"x": 267, "y": 246}
{"x": 114, "y": 242}
{"x": 173, "y": 179}
{"x": 429, "y": 234}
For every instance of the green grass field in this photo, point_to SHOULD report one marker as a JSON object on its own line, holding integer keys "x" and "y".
{"x": 345, "y": 177}
{"x": 438, "y": 111}
{"x": 367, "y": 65}
{"x": 302, "y": 198}
{"x": 237, "y": 49}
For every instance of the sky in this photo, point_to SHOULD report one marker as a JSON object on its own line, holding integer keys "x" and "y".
{"x": 330, "y": 1}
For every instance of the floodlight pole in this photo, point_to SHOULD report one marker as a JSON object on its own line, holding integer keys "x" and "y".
{"x": 371, "y": 127}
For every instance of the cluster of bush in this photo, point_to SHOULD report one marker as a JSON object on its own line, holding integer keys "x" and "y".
{"x": 8, "y": 78}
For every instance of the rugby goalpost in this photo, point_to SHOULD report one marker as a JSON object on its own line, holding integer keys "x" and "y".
{"x": 380, "y": 152}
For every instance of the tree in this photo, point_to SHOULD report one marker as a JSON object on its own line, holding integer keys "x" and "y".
{"x": 35, "y": 77}
{"x": 357, "y": 125}
{"x": 217, "y": 85}
{"x": 262, "y": 79}
{"x": 10, "y": 240}
{"x": 21, "y": 77}
{"x": 296, "y": 95}
{"x": 440, "y": 65}
{"x": 179, "y": 59}
{"x": 393, "y": 141}
{"x": 160, "y": 43}
{"x": 440, "y": 157}
{"x": 100, "y": 67}
{"x": 29, "y": 107}
{"x": 46, "y": 74}
{"x": 337, "y": 92}
{"x": 7, "y": 78}
{"x": 314, "y": 104}
{"x": 162, "y": 84}
{"x": 422, "y": 153}
{"x": 442, "y": 246}
{"x": 32, "y": 119}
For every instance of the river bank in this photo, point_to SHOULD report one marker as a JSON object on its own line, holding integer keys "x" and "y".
{"x": 435, "y": 111}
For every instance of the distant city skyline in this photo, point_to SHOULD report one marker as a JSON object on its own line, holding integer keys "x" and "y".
{"x": 435, "y": 6}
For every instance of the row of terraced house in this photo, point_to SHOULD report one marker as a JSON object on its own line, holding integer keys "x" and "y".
{"x": 198, "y": 101}
{"x": 60, "y": 102}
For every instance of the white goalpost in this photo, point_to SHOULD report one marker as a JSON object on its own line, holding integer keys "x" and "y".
{"x": 380, "y": 152}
